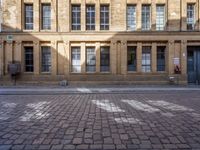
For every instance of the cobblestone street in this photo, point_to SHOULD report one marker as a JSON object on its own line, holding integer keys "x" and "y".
{"x": 148, "y": 120}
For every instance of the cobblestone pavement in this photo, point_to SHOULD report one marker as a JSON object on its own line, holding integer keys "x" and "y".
{"x": 157, "y": 120}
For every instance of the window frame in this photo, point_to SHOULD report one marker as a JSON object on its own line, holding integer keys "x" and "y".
{"x": 189, "y": 12}
{"x": 77, "y": 55}
{"x": 147, "y": 25}
{"x": 26, "y": 23}
{"x": 46, "y": 62}
{"x": 158, "y": 55}
{"x": 133, "y": 62}
{"x": 104, "y": 25}
{"x": 132, "y": 16}
{"x": 45, "y": 26}
{"x": 30, "y": 60}
{"x": 105, "y": 54}
{"x": 159, "y": 26}
{"x": 90, "y": 51}
{"x": 91, "y": 25}
{"x": 77, "y": 18}
{"x": 145, "y": 61}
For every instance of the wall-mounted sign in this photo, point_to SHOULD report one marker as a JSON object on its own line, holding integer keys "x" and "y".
{"x": 176, "y": 61}
{"x": 9, "y": 37}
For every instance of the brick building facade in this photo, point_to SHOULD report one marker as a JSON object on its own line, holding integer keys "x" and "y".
{"x": 101, "y": 41}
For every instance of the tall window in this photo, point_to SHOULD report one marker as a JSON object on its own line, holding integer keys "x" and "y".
{"x": 46, "y": 59}
{"x": 28, "y": 59}
{"x": 161, "y": 58}
{"x": 90, "y": 17}
{"x": 104, "y": 17}
{"x": 76, "y": 59}
{"x": 91, "y": 59}
{"x": 131, "y": 17}
{"x": 160, "y": 17}
{"x": 146, "y": 17}
{"x": 76, "y": 17}
{"x": 146, "y": 59}
{"x": 28, "y": 18}
{"x": 190, "y": 16}
{"x": 46, "y": 16}
{"x": 105, "y": 59}
{"x": 131, "y": 58}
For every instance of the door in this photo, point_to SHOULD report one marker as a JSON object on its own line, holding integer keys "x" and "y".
{"x": 193, "y": 64}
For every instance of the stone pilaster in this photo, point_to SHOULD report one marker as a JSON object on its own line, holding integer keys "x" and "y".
{"x": 139, "y": 57}
{"x": 97, "y": 8}
{"x": 54, "y": 56}
{"x": 183, "y": 57}
{"x": 153, "y": 17}
{"x": 113, "y": 57}
{"x": 67, "y": 59}
{"x": 83, "y": 15}
{"x": 170, "y": 52}
{"x": 97, "y": 57}
{"x": 138, "y": 15}
{"x": 36, "y": 15}
{"x": 54, "y": 15}
{"x": 118, "y": 61}
{"x": 9, "y": 54}
{"x": 1, "y": 58}
{"x": 154, "y": 57}
{"x": 83, "y": 59}
{"x": 36, "y": 57}
{"x": 183, "y": 16}
{"x": 18, "y": 53}
{"x": 19, "y": 17}
{"x": 124, "y": 57}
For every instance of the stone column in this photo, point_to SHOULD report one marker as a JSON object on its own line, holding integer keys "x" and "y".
{"x": 171, "y": 47}
{"x": 113, "y": 57}
{"x": 139, "y": 57}
{"x": 183, "y": 57}
{"x": 67, "y": 59}
{"x": 138, "y": 12}
{"x": 97, "y": 8}
{"x": 98, "y": 57}
{"x": 54, "y": 56}
{"x": 197, "y": 10}
{"x": 54, "y": 15}
{"x": 83, "y": 59}
{"x": 1, "y": 58}
{"x": 183, "y": 15}
{"x": 83, "y": 16}
{"x": 36, "y": 57}
{"x": 118, "y": 61}
{"x": 36, "y": 15}
{"x": 124, "y": 57}
{"x": 154, "y": 57}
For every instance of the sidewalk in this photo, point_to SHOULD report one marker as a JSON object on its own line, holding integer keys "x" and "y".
{"x": 42, "y": 90}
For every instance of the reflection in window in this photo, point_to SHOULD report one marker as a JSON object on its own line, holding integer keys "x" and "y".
{"x": 104, "y": 17}
{"x": 105, "y": 59}
{"x": 190, "y": 16}
{"x": 131, "y": 17}
{"x": 46, "y": 59}
{"x": 28, "y": 16}
{"x": 90, "y": 17}
{"x": 76, "y": 17}
{"x": 76, "y": 59}
{"x": 131, "y": 58}
{"x": 46, "y": 16}
{"x": 91, "y": 59}
{"x": 146, "y": 59}
{"x": 28, "y": 59}
{"x": 146, "y": 16}
{"x": 161, "y": 58}
{"x": 160, "y": 17}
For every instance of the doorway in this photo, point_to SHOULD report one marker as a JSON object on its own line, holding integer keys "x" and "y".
{"x": 193, "y": 64}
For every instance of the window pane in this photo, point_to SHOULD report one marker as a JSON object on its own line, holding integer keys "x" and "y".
{"x": 146, "y": 59}
{"x": 104, "y": 17}
{"x": 76, "y": 17}
{"x": 105, "y": 59}
{"x": 46, "y": 59}
{"x": 76, "y": 59}
{"x": 46, "y": 16}
{"x": 90, "y": 17}
{"x": 28, "y": 16}
{"x": 161, "y": 58}
{"x": 28, "y": 59}
{"x": 131, "y": 17}
{"x": 131, "y": 58}
{"x": 160, "y": 17}
{"x": 91, "y": 59}
{"x": 190, "y": 16}
{"x": 146, "y": 24}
